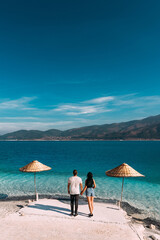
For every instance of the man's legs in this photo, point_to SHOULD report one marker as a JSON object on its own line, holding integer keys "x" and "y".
{"x": 76, "y": 203}
{"x": 72, "y": 203}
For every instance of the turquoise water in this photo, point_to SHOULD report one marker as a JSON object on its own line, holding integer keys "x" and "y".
{"x": 94, "y": 156}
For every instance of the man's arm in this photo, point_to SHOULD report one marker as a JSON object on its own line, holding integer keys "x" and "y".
{"x": 69, "y": 188}
{"x": 83, "y": 190}
{"x": 81, "y": 186}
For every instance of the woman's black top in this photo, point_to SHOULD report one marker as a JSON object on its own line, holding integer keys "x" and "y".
{"x": 89, "y": 183}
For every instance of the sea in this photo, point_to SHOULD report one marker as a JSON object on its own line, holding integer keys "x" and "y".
{"x": 86, "y": 156}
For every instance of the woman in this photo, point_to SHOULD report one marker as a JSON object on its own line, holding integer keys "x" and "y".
{"x": 89, "y": 188}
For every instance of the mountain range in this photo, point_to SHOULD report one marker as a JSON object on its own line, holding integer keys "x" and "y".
{"x": 145, "y": 129}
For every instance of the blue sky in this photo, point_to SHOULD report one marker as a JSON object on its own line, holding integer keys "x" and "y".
{"x": 66, "y": 64}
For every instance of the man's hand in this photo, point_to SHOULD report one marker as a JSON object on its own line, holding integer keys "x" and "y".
{"x": 81, "y": 193}
{"x": 68, "y": 192}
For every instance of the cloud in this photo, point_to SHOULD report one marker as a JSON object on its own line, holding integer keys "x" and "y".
{"x": 100, "y": 110}
{"x": 100, "y": 100}
{"x": 70, "y": 109}
{"x": 93, "y": 106}
{"x": 19, "y": 118}
{"x": 21, "y": 103}
{"x": 148, "y": 100}
{"x": 135, "y": 101}
{"x": 75, "y": 109}
{"x": 88, "y": 110}
{"x": 123, "y": 104}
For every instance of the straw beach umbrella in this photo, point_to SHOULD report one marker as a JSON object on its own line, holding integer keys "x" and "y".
{"x": 35, "y": 166}
{"x": 123, "y": 171}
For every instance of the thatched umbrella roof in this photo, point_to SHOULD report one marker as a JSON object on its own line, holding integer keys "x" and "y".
{"x": 124, "y": 170}
{"x": 34, "y": 166}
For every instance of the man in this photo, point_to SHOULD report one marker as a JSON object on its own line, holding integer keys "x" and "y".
{"x": 73, "y": 189}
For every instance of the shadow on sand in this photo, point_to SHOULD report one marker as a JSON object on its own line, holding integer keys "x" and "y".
{"x": 113, "y": 208}
{"x": 64, "y": 211}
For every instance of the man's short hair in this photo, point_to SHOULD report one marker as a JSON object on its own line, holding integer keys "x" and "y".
{"x": 75, "y": 172}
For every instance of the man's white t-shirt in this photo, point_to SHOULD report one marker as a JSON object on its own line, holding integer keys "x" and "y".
{"x": 75, "y": 181}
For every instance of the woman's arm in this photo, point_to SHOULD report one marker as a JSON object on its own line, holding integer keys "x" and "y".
{"x": 94, "y": 184}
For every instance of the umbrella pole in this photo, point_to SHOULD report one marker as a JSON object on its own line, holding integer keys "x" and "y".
{"x": 122, "y": 189}
{"x": 35, "y": 184}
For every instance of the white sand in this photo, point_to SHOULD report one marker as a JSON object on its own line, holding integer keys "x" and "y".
{"x": 50, "y": 219}
{"x": 7, "y": 207}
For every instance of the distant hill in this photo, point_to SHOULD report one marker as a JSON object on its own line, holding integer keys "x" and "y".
{"x": 30, "y": 135}
{"x": 145, "y": 129}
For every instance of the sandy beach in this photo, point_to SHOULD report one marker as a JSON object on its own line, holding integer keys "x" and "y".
{"x": 50, "y": 219}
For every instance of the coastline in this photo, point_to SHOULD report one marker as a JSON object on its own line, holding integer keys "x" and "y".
{"x": 51, "y": 217}
{"x": 15, "y": 203}
{"x": 82, "y": 140}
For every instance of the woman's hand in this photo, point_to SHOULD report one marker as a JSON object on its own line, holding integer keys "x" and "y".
{"x": 81, "y": 192}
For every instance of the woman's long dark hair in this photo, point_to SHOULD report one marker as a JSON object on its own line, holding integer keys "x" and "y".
{"x": 89, "y": 179}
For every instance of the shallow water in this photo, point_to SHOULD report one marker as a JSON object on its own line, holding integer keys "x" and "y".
{"x": 94, "y": 156}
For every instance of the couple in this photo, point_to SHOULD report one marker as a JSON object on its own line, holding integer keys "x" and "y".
{"x": 73, "y": 189}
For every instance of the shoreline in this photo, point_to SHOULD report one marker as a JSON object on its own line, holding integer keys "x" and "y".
{"x": 136, "y": 214}
{"x": 82, "y": 140}
{"x": 50, "y": 219}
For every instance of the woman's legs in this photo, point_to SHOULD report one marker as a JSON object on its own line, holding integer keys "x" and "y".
{"x": 89, "y": 204}
{"x": 92, "y": 198}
